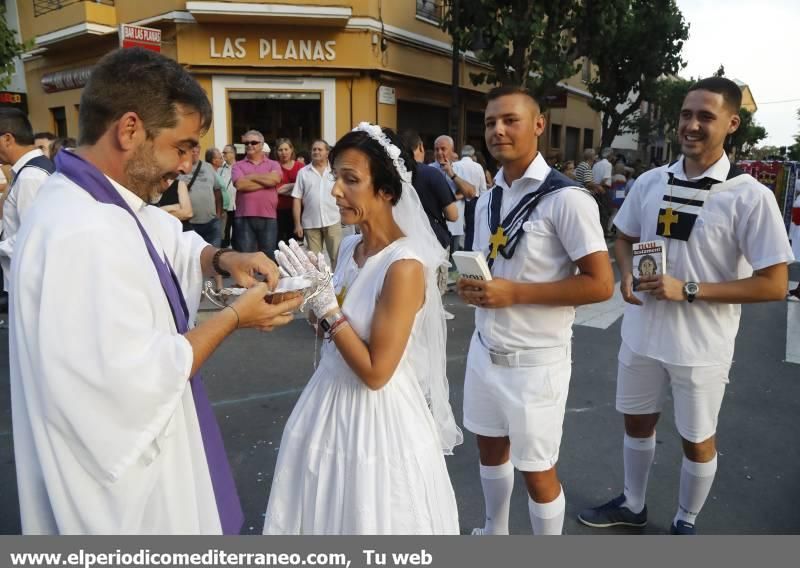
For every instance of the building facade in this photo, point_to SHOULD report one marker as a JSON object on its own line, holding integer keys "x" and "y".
{"x": 289, "y": 69}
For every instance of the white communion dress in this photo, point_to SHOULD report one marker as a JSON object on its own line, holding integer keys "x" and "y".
{"x": 359, "y": 461}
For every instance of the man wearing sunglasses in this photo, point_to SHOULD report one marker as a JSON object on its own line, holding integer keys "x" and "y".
{"x": 255, "y": 179}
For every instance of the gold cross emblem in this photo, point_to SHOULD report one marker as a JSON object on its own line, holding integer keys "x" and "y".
{"x": 499, "y": 239}
{"x": 668, "y": 218}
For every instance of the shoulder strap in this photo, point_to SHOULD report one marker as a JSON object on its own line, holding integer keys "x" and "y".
{"x": 194, "y": 175}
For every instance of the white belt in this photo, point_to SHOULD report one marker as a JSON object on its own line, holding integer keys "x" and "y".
{"x": 527, "y": 358}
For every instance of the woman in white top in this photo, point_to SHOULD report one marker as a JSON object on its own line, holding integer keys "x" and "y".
{"x": 363, "y": 451}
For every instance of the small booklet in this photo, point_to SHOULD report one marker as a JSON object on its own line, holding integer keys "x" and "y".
{"x": 649, "y": 259}
{"x": 472, "y": 264}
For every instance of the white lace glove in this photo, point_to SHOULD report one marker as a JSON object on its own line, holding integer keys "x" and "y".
{"x": 293, "y": 261}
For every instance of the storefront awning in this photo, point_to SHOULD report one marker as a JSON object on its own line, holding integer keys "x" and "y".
{"x": 251, "y": 12}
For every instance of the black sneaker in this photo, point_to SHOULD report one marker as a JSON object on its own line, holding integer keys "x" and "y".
{"x": 682, "y": 528}
{"x": 613, "y": 514}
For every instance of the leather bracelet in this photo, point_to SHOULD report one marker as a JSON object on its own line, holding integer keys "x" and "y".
{"x": 215, "y": 263}
{"x": 337, "y": 327}
{"x": 453, "y": 177}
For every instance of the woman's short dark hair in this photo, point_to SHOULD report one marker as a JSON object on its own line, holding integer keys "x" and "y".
{"x": 384, "y": 175}
{"x": 141, "y": 81}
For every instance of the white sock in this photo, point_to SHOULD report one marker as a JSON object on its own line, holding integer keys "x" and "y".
{"x": 637, "y": 454}
{"x": 498, "y": 483}
{"x": 548, "y": 518}
{"x": 696, "y": 481}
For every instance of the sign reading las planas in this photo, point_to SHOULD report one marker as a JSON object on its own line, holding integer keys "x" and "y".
{"x": 308, "y": 50}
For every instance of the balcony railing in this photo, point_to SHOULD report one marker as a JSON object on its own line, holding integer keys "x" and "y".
{"x": 41, "y": 7}
{"x": 430, "y": 10}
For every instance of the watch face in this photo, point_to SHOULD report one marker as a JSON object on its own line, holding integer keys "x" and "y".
{"x": 691, "y": 288}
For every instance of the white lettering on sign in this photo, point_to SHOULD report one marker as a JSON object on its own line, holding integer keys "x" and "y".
{"x": 231, "y": 49}
{"x": 295, "y": 50}
{"x": 142, "y": 34}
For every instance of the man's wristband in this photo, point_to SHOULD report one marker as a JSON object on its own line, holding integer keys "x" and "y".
{"x": 454, "y": 176}
{"x": 215, "y": 263}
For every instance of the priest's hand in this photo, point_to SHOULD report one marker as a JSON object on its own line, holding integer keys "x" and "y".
{"x": 495, "y": 293}
{"x": 662, "y": 287}
{"x": 245, "y": 267}
{"x": 254, "y": 311}
{"x": 626, "y": 288}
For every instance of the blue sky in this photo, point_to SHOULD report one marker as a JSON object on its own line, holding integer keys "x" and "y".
{"x": 758, "y": 44}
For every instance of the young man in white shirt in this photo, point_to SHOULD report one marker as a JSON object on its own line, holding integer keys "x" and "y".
{"x": 725, "y": 245}
{"x": 602, "y": 171}
{"x": 319, "y": 221}
{"x": 547, "y": 253}
{"x": 31, "y": 169}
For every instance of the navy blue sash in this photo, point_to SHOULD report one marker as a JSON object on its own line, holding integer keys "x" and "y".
{"x": 510, "y": 230}
{"x": 89, "y": 178}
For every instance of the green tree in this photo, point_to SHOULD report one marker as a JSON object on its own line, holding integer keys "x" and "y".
{"x": 641, "y": 42}
{"x": 535, "y": 44}
{"x": 664, "y": 111}
{"x": 10, "y": 49}
{"x": 794, "y": 149}
{"x": 746, "y": 136}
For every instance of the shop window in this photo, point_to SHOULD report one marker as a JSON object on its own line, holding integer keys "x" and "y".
{"x": 588, "y": 138}
{"x": 293, "y": 115}
{"x": 429, "y": 121}
{"x": 555, "y": 135}
{"x": 430, "y": 10}
{"x": 59, "y": 116}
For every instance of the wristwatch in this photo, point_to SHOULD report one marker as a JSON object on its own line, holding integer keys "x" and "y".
{"x": 691, "y": 289}
{"x": 454, "y": 176}
{"x": 329, "y": 321}
{"x": 215, "y": 263}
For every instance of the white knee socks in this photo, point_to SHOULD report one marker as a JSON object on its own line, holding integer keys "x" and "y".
{"x": 696, "y": 481}
{"x": 548, "y": 518}
{"x": 497, "y": 482}
{"x": 638, "y": 454}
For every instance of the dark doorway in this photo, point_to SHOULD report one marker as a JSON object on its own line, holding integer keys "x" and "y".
{"x": 296, "y": 116}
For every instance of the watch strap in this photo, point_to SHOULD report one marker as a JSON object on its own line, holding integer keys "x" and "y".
{"x": 215, "y": 263}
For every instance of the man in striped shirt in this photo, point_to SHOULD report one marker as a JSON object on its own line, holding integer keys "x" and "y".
{"x": 583, "y": 173}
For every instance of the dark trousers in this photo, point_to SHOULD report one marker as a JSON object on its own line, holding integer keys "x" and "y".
{"x": 256, "y": 233}
{"x": 227, "y": 233}
{"x": 469, "y": 222}
{"x": 209, "y": 231}
{"x": 285, "y": 225}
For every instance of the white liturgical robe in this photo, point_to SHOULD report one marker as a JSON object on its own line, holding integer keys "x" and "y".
{"x": 106, "y": 435}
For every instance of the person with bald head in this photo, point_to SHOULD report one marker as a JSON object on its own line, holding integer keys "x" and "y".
{"x": 545, "y": 248}
{"x": 459, "y": 177}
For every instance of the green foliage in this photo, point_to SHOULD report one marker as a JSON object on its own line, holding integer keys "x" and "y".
{"x": 535, "y": 44}
{"x": 747, "y": 135}
{"x": 794, "y": 149}
{"x": 667, "y": 100}
{"x": 10, "y": 49}
{"x": 641, "y": 42}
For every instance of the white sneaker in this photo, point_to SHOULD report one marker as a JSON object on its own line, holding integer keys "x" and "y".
{"x": 448, "y": 315}
{"x": 478, "y": 532}
{"x": 792, "y": 298}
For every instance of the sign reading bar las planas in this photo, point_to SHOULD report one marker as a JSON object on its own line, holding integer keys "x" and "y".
{"x": 299, "y": 50}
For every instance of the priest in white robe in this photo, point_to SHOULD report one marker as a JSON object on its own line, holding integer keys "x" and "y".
{"x": 113, "y": 432}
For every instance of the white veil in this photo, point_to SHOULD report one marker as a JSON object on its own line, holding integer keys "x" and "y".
{"x": 429, "y": 359}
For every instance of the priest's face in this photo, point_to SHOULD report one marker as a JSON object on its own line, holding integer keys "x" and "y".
{"x": 354, "y": 190}
{"x": 513, "y": 124}
{"x": 157, "y": 161}
{"x": 705, "y": 121}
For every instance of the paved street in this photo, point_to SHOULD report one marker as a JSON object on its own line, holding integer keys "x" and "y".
{"x": 255, "y": 379}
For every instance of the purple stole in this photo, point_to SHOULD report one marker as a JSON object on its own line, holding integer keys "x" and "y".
{"x": 90, "y": 179}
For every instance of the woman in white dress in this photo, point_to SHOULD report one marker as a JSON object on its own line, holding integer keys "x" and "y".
{"x": 363, "y": 451}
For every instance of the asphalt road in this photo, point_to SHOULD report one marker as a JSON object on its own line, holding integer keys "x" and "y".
{"x": 254, "y": 380}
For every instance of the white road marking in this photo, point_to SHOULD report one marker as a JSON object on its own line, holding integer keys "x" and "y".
{"x": 602, "y": 315}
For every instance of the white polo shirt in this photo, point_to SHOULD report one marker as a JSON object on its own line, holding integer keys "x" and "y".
{"x": 601, "y": 172}
{"x": 737, "y": 231}
{"x": 563, "y": 228}
{"x": 470, "y": 171}
{"x": 319, "y": 206}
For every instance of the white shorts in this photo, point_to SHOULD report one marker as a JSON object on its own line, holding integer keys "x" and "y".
{"x": 524, "y": 403}
{"x": 696, "y": 392}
